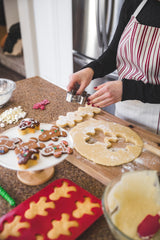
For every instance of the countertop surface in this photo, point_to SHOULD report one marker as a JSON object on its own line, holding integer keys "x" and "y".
{"x": 27, "y": 93}
{"x": 91, "y": 177}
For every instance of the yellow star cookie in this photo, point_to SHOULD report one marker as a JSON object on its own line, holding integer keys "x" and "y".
{"x": 12, "y": 228}
{"x": 38, "y": 208}
{"x": 84, "y": 208}
{"x": 61, "y": 227}
{"x": 62, "y": 191}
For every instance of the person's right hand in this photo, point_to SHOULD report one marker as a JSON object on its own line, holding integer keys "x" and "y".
{"x": 82, "y": 77}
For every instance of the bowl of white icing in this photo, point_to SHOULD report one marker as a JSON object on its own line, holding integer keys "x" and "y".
{"x": 6, "y": 89}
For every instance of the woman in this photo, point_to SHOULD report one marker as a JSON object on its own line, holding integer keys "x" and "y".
{"x": 135, "y": 53}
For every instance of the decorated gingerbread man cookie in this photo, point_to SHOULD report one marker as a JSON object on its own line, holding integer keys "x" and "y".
{"x": 7, "y": 143}
{"x": 25, "y": 154}
{"x": 28, "y": 152}
{"x": 53, "y": 134}
{"x": 31, "y": 144}
{"x": 28, "y": 125}
{"x": 57, "y": 150}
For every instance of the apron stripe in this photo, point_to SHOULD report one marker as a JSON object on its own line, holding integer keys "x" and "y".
{"x": 138, "y": 58}
{"x": 150, "y": 57}
{"x": 157, "y": 70}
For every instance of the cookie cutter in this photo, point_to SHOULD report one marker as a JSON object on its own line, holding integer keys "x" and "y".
{"x": 72, "y": 97}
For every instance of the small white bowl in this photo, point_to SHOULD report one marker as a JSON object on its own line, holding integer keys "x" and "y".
{"x": 6, "y": 89}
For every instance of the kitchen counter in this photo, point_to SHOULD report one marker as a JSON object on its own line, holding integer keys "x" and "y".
{"x": 27, "y": 93}
{"x": 91, "y": 177}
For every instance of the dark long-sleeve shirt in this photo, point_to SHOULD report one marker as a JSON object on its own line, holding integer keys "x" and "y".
{"x": 106, "y": 63}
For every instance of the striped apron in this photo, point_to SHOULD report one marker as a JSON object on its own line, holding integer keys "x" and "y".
{"x": 138, "y": 58}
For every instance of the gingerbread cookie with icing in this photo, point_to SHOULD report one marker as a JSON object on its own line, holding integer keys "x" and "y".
{"x": 28, "y": 153}
{"x": 57, "y": 150}
{"x": 33, "y": 143}
{"x": 7, "y": 143}
{"x": 27, "y": 157}
{"x": 28, "y": 125}
{"x": 53, "y": 134}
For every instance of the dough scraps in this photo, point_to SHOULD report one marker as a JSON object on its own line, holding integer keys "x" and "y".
{"x": 105, "y": 153}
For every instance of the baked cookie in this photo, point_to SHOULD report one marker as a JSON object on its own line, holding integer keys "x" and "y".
{"x": 57, "y": 150}
{"x": 53, "y": 134}
{"x": 28, "y": 125}
{"x": 28, "y": 153}
{"x": 33, "y": 143}
{"x": 27, "y": 157}
{"x": 7, "y": 143}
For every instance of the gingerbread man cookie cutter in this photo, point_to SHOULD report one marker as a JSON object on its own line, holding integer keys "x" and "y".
{"x": 74, "y": 98}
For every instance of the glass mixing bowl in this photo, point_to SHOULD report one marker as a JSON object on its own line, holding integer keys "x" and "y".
{"x": 137, "y": 194}
{"x": 115, "y": 231}
{"x": 6, "y": 89}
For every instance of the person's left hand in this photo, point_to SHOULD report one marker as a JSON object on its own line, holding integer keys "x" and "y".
{"x": 106, "y": 94}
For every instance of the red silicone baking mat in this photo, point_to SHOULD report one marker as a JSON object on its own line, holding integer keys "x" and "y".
{"x": 62, "y": 210}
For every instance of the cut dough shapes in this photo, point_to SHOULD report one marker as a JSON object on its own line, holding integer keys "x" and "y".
{"x": 102, "y": 152}
{"x": 84, "y": 208}
{"x": 72, "y": 118}
{"x": 61, "y": 227}
{"x": 39, "y": 208}
{"x": 12, "y": 228}
{"x": 63, "y": 191}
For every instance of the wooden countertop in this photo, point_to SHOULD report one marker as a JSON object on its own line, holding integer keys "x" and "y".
{"x": 33, "y": 90}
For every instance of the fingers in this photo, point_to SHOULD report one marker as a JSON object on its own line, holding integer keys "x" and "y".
{"x": 101, "y": 101}
{"x": 100, "y": 94}
{"x": 81, "y": 89}
{"x": 82, "y": 77}
{"x": 73, "y": 80}
{"x": 106, "y": 94}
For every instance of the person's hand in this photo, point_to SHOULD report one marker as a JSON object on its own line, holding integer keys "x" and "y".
{"x": 106, "y": 94}
{"x": 82, "y": 77}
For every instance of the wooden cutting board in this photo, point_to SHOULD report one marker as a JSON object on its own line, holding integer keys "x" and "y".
{"x": 149, "y": 158}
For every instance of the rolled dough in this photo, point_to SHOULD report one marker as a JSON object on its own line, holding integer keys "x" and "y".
{"x": 103, "y": 152}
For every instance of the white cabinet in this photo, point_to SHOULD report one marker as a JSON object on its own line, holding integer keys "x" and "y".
{"x": 46, "y": 28}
